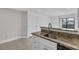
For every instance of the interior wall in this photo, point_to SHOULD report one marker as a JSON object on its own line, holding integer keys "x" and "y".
{"x": 24, "y": 24}
{"x": 10, "y": 24}
{"x": 35, "y": 21}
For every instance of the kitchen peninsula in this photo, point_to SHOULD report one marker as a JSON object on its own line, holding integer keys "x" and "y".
{"x": 69, "y": 39}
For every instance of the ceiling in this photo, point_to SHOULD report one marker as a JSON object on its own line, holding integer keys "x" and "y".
{"x": 49, "y": 11}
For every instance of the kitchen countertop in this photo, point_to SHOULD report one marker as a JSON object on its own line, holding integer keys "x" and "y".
{"x": 67, "y": 42}
{"x": 76, "y": 32}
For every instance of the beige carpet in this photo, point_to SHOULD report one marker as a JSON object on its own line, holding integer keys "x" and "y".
{"x": 20, "y": 44}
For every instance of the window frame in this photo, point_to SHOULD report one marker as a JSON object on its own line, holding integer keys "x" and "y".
{"x": 67, "y": 23}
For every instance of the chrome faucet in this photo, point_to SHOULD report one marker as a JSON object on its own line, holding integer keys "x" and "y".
{"x": 49, "y": 30}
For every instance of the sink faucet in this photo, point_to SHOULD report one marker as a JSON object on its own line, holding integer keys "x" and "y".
{"x": 49, "y": 30}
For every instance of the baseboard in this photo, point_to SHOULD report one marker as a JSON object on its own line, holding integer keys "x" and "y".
{"x": 12, "y": 39}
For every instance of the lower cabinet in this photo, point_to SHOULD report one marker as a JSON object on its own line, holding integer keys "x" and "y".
{"x": 42, "y": 44}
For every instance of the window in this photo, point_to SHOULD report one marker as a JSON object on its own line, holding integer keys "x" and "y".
{"x": 68, "y": 23}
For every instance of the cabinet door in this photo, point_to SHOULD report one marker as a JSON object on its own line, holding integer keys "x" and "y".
{"x": 43, "y": 44}
{"x": 47, "y": 45}
{"x": 44, "y": 41}
{"x": 35, "y": 43}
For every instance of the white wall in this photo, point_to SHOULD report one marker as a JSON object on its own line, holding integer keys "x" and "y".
{"x": 35, "y": 21}
{"x": 10, "y": 24}
{"x": 24, "y": 24}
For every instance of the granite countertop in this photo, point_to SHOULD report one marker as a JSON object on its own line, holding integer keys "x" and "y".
{"x": 76, "y": 32}
{"x": 70, "y": 43}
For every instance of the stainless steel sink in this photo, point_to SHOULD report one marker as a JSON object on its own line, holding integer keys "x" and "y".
{"x": 51, "y": 36}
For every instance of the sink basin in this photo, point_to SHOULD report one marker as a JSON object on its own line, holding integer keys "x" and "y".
{"x": 46, "y": 35}
{"x": 52, "y": 36}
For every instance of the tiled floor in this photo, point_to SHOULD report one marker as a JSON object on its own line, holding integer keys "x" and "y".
{"x": 20, "y": 44}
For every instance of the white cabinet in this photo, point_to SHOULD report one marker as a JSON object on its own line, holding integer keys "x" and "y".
{"x": 42, "y": 44}
{"x": 35, "y": 43}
